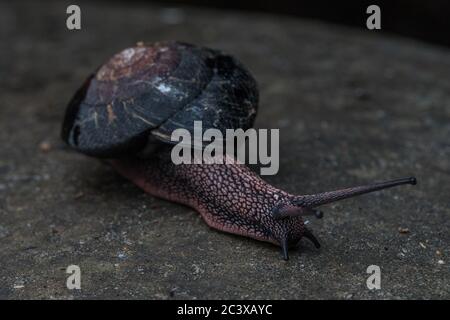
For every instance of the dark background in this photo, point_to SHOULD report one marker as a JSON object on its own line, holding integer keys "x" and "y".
{"x": 421, "y": 19}
{"x": 353, "y": 106}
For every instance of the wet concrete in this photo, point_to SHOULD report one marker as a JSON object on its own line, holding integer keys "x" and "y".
{"x": 352, "y": 107}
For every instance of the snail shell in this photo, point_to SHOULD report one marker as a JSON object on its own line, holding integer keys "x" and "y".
{"x": 150, "y": 90}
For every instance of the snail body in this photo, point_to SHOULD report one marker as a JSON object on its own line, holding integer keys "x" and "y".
{"x": 142, "y": 94}
{"x": 231, "y": 197}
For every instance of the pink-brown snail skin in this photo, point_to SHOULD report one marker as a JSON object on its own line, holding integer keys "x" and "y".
{"x": 138, "y": 97}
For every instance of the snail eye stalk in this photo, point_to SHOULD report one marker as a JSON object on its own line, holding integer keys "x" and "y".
{"x": 304, "y": 205}
{"x": 308, "y": 235}
{"x": 285, "y": 211}
{"x": 285, "y": 249}
{"x": 315, "y": 200}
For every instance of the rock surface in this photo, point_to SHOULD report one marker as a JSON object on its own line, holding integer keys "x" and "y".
{"x": 352, "y": 107}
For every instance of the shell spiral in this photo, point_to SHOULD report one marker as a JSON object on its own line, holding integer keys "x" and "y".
{"x": 148, "y": 91}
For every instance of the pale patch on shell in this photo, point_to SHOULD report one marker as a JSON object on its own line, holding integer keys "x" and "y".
{"x": 123, "y": 63}
{"x": 164, "y": 88}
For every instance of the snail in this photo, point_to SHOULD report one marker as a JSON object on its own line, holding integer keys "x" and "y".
{"x": 127, "y": 109}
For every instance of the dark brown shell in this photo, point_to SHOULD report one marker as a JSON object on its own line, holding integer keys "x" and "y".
{"x": 151, "y": 90}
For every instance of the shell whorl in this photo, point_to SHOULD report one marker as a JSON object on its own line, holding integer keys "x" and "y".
{"x": 151, "y": 90}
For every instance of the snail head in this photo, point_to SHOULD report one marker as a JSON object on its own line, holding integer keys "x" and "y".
{"x": 306, "y": 205}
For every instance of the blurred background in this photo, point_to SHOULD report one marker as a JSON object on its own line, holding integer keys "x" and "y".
{"x": 353, "y": 105}
{"x": 425, "y": 20}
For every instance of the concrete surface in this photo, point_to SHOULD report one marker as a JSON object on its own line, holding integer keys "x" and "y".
{"x": 352, "y": 106}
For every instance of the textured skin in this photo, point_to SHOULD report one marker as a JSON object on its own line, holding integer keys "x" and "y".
{"x": 233, "y": 199}
{"x": 229, "y": 197}
{"x": 151, "y": 90}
